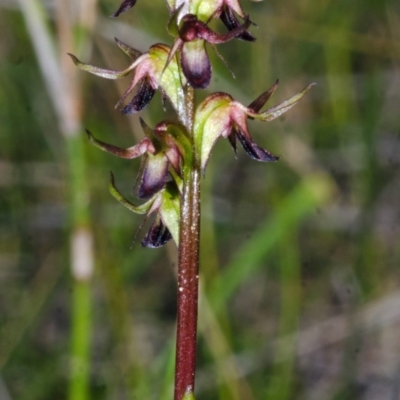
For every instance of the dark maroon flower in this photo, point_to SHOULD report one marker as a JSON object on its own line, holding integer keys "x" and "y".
{"x": 191, "y": 42}
{"x": 150, "y": 72}
{"x": 219, "y": 115}
{"x": 165, "y": 204}
{"x": 161, "y": 151}
{"x": 157, "y": 235}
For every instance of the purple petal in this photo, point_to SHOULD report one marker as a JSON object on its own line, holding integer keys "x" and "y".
{"x": 141, "y": 99}
{"x": 157, "y": 235}
{"x": 193, "y": 29}
{"x": 204, "y": 32}
{"x": 232, "y": 141}
{"x": 128, "y": 50}
{"x": 253, "y": 150}
{"x": 132, "y": 152}
{"x": 154, "y": 176}
{"x": 259, "y": 102}
{"x": 195, "y": 64}
{"x": 231, "y": 22}
{"x": 125, "y": 6}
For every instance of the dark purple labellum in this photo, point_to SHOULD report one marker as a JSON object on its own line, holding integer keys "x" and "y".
{"x": 231, "y": 22}
{"x": 196, "y": 66}
{"x": 254, "y": 151}
{"x": 157, "y": 235}
{"x": 154, "y": 177}
{"x": 125, "y": 6}
{"x": 141, "y": 99}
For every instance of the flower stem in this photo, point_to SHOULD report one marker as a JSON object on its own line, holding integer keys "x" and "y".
{"x": 188, "y": 265}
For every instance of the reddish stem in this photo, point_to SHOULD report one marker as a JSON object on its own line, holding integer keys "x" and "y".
{"x": 188, "y": 276}
{"x": 188, "y": 270}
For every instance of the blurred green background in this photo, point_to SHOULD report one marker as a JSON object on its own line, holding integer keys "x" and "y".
{"x": 300, "y": 259}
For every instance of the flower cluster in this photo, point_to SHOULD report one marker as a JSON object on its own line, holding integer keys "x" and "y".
{"x": 168, "y": 150}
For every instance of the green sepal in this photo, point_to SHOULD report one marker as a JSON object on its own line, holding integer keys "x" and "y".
{"x": 169, "y": 77}
{"x": 170, "y": 210}
{"x": 177, "y": 179}
{"x": 104, "y": 73}
{"x": 166, "y": 202}
{"x": 281, "y": 108}
{"x": 210, "y": 118}
{"x": 142, "y": 209}
{"x": 128, "y": 50}
{"x": 203, "y": 9}
{"x": 173, "y": 23}
{"x": 207, "y": 9}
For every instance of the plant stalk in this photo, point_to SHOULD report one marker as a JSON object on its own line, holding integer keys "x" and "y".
{"x": 188, "y": 266}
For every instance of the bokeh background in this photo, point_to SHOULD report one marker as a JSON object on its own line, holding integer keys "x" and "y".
{"x": 300, "y": 293}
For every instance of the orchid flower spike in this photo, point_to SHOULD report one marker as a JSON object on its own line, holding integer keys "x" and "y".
{"x": 163, "y": 150}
